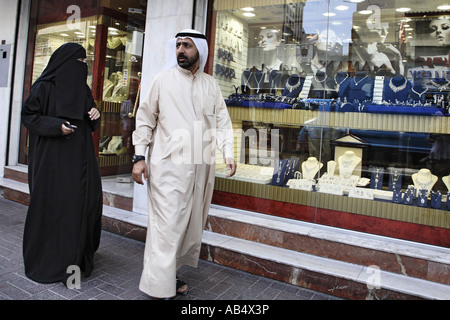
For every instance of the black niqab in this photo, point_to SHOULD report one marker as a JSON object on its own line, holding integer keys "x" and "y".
{"x": 69, "y": 74}
{"x": 63, "y": 224}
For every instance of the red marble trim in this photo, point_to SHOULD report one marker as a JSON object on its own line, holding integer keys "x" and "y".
{"x": 357, "y": 222}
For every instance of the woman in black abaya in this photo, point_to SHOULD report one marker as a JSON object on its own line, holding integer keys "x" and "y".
{"x": 63, "y": 223}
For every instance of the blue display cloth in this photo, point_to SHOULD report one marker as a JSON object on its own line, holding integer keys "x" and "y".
{"x": 266, "y": 104}
{"x": 395, "y": 109}
{"x": 402, "y": 141}
{"x": 324, "y": 104}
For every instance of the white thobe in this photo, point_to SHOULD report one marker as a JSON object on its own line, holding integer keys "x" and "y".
{"x": 181, "y": 120}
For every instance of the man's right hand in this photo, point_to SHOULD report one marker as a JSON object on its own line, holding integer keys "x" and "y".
{"x": 140, "y": 168}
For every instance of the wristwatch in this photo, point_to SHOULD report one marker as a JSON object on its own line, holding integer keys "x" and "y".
{"x": 137, "y": 158}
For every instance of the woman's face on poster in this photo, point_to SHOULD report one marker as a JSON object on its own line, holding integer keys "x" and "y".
{"x": 327, "y": 40}
{"x": 268, "y": 39}
{"x": 441, "y": 31}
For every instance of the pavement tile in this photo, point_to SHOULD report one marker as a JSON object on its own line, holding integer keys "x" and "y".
{"x": 118, "y": 267}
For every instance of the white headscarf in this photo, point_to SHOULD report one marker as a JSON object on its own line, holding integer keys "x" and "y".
{"x": 200, "y": 43}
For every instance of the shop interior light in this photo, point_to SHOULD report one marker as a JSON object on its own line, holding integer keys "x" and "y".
{"x": 444, "y": 7}
{"x": 248, "y": 9}
{"x": 404, "y": 9}
{"x": 248, "y": 14}
{"x": 329, "y": 14}
{"x": 64, "y": 34}
{"x": 365, "y": 12}
{"x": 341, "y": 8}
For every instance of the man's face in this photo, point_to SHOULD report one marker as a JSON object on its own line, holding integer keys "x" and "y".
{"x": 187, "y": 54}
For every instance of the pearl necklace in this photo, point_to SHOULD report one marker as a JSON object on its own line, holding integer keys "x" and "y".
{"x": 441, "y": 88}
{"x": 293, "y": 87}
{"x": 357, "y": 83}
{"x": 247, "y": 79}
{"x": 424, "y": 185}
{"x": 419, "y": 94}
{"x": 279, "y": 172}
{"x": 258, "y": 83}
{"x": 273, "y": 81}
{"x": 324, "y": 78}
{"x": 346, "y": 167}
{"x": 399, "y": 88}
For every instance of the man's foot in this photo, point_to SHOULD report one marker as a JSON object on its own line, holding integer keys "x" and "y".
{"x": 182, "y": 288}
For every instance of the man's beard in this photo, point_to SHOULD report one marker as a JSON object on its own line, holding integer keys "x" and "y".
{"x": 188, "y": 62}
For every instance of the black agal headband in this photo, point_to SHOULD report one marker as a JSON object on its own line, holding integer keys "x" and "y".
{"x": 190, "y": 35}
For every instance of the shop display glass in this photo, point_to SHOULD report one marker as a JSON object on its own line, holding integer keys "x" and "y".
{"x": 333, "y": 101}
{"x": 112, "y": 33}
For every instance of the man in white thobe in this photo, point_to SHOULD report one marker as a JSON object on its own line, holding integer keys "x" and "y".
{"x": 181, "y": 120}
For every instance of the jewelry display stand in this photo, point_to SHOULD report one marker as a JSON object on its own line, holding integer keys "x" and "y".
{"x": 310, "y": 168}
{"x": 396, "y": 89}
{"x": 274, "y": 81}
{"x": 424, "y": 180}
{"x": 347, "y": 163}
{"x": 418, "y": 92}
{"x": 293, "y": 86}
{"x": 446, "y": 181}
{"x": 331, "y": 167}
{"x": 341, "y": 81}
{"x": 376, "y": 180}
{"x": 395, "y": 179}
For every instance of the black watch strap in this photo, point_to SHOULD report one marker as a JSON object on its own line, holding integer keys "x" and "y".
{"x": 137, "y": 158}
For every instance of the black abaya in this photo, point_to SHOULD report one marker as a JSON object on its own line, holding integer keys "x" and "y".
{"x": 63, "y": 223}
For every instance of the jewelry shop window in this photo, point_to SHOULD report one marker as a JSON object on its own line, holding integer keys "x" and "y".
{"x": 336, "y": 101}
{"x": 53, "y": 23}
{"x": 112, "y": 33}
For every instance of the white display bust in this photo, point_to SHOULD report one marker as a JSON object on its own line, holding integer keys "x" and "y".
{"x": 310, "y": 167}
{"x": 424, "y": 179}
{"x": 347, "y": 163}
{"x": 446, "y": 180}
{"x": 331, "y": 167}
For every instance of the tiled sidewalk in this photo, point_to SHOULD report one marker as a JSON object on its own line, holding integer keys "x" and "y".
{"x": 118, "y": 268}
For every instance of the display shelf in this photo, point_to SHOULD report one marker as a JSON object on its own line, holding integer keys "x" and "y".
{"x": 110, "y": 106}
{"x": 373, "y": 208}
{"x": 352, "y": 120}
{"x": 114, "y": 160}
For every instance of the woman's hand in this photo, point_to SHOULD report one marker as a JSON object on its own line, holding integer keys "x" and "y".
{"x": 94, "y": 114}
{"x": 66, "y": 130}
